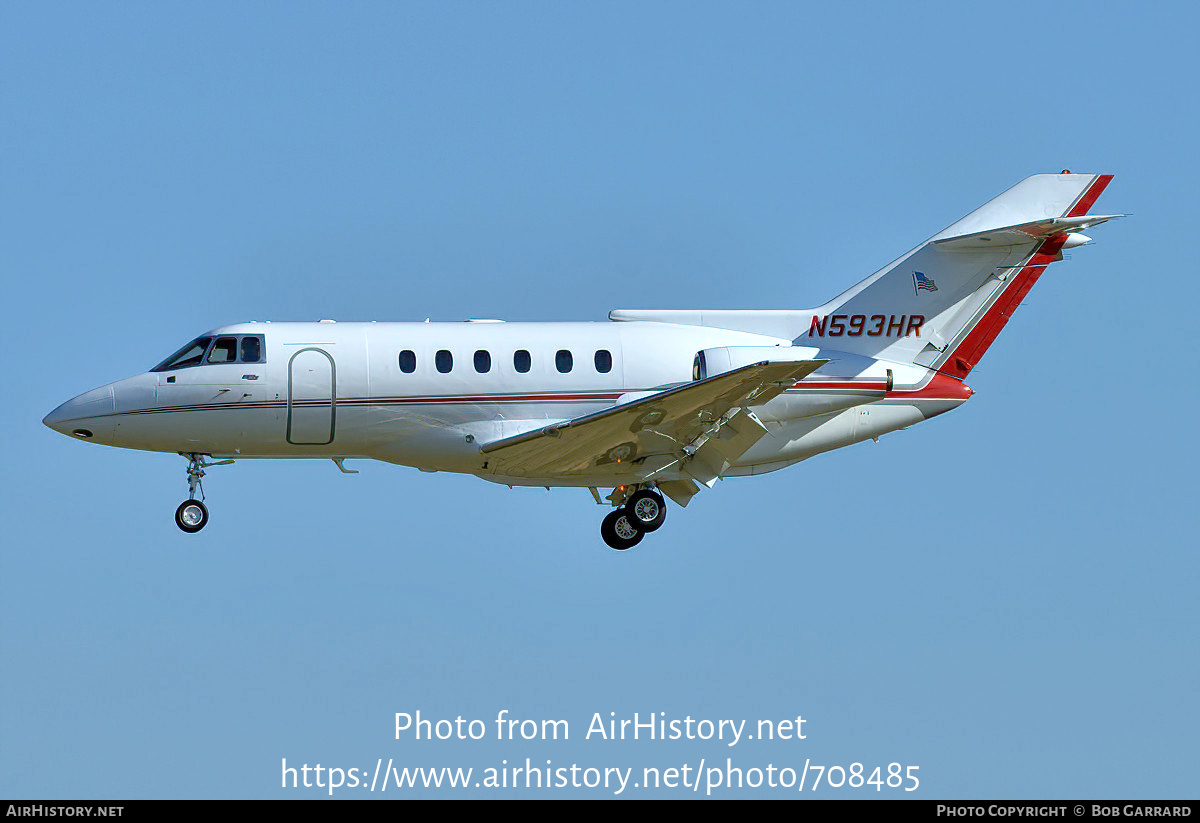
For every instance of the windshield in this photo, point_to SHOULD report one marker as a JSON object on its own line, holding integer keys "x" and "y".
{"x": 245, "y": 348}
{"x": 190, "y": 355}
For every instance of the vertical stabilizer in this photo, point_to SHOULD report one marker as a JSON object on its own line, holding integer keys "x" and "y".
{"x": 942, "y": 304}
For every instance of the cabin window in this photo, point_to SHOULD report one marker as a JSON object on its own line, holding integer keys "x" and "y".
{"x": 483, "y": 362}
{"x": 522, "y": 361}
{"x": 603, "y": 361}
{"x": 224, "y": 350}
{"x": 408, "y": 361}
{"x": 444, "y": 361}
{"x": 251, "y": 349}
{"x": 190, "y": 355}
{"x": 563, "y": 361}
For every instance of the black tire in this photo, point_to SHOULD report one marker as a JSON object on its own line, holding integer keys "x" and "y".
{"x": 191, "y": 516}
{"x": 647, "y": 510}
{"x": 619, "y": 531}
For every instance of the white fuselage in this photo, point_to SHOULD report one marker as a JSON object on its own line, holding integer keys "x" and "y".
{"x": 654, "y": 405}
{"x": 337, "y": 390}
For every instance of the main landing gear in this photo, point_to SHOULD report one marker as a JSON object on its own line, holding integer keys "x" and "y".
{"x": 192, "y": 514}
{"x": 642, "y": 512}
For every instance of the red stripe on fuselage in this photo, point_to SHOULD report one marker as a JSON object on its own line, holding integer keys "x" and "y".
{"x": 481, "y": 398}
{"x": 940, "y": 387}
{"x": 842, "y": 385}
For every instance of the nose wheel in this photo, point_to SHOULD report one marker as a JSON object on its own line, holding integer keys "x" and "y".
{"x": 192, "y": 514}
{"x": 644, "y": 511}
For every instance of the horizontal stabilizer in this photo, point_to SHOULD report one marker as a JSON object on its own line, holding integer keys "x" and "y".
{"x": 1023, "y": 233}
{"x": 707, "y": 421}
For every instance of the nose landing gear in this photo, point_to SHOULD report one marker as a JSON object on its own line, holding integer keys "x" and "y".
{"x": 643, "y": 511}
{"x": 192, "y": 514}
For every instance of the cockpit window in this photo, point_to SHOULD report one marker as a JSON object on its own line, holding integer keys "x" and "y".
{"x": 190, "y": 355}
{"x": 251, "y": 349}
{"x": 224, "y": 350}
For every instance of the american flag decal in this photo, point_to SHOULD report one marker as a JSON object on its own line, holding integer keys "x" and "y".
{"x": 920, "y": 281}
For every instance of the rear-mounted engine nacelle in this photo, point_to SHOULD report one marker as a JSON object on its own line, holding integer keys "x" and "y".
{"x": 711, "y": 362}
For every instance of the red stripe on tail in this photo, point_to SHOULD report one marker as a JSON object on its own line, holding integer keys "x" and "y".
{"x": 1090, "y": 196}
{"x": 967, "y": 354}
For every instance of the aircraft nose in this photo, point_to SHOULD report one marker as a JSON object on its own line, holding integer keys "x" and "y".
{"x": 80, "y": 415}
{"x": 56, "y": 418}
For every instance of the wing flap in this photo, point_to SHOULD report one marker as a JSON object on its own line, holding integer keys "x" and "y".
{"x": 706, "y": 423}
{"x": 681, "y": 491}
{"x": 714, "y": 457}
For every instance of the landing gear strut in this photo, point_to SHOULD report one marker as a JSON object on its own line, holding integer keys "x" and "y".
{"x": 192, "y": 514}
{"x": 641, "y": 513}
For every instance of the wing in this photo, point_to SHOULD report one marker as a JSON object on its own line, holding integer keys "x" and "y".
{"x": 697, "y": 429}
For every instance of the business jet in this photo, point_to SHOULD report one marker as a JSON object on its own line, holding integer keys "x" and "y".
{"x": 652, "y": 404}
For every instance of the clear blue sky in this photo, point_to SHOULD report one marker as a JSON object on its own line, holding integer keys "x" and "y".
{"x": 1004, "y": 597}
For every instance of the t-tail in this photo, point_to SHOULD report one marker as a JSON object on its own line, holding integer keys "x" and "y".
{"x": 942, "y": 304}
